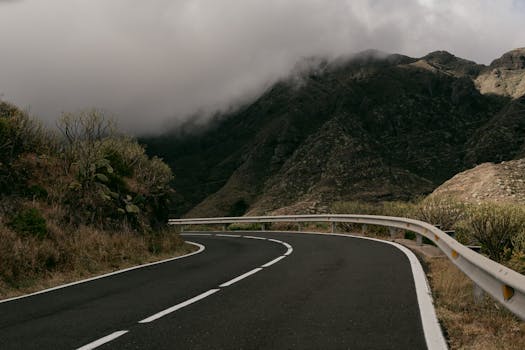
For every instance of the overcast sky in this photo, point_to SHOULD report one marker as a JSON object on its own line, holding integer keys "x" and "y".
{"x": 149, "y": 62}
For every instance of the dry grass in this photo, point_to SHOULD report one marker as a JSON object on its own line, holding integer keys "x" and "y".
{"x": 469, "y": 325}
{"x": 28, "y": 264}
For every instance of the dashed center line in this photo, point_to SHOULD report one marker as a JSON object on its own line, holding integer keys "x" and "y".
{"x": 237, "y": 279}
{"x": 274, "y": 261}
{"x": 103, "y": 340}
{"x": 179, "y": 306}
{"x": 226, "y": 235}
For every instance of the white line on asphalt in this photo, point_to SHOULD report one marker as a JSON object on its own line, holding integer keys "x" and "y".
{"x": 195, "y": 234}
{"x": 255, "y": 237}
{"x": 274, "y": 261}
{"x": 290, "y": 249}
{"x": 225, "y": 235}
{"x": 102, "y": 341}
{"x": 237, "y": 279}
{"x": 201, "y": 249}
{"x": 431, "y": 328}
{"x": 179, "y": 306}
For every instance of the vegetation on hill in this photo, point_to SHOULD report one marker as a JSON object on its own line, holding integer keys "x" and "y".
{"x": 499, "y": 228}
{"x": 80, "y": 201}
{"x": 368, "y": 129}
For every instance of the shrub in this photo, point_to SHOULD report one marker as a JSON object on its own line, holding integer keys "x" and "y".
{"x": 440, "y": 210}
{"x": 29, "y": 222}
{"x": 115, "y": 183}
{"x": 19, "y": 134}
{"x": 496, "y": 227}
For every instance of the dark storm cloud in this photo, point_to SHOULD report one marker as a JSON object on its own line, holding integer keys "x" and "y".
{"x": 148, "y": 62}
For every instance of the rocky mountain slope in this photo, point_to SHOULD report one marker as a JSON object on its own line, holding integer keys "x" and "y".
{"x": 373, "y": 127}
{"x": 503, "y": 182}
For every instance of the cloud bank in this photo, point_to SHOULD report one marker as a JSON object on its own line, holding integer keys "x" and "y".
{"x": 152, "y": 63}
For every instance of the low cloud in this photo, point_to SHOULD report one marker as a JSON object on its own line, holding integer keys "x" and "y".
{"x": 153, "y": 63}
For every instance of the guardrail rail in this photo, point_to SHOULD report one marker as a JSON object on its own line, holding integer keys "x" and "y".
{"x": 503, "y": 284}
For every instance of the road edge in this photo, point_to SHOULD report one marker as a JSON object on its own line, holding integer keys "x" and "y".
{"x": 432, "y": 331}
{"x": 200, "y": 250}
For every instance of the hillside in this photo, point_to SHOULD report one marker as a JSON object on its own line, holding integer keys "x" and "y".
{"x": 374, "y": 127}
{"x": 80, "y": 202}
{"x": 488, "y": 182}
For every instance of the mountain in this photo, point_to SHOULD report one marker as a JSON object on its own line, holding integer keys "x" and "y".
{"x": 503, "y": 182}
{"x": 373, "y": 127}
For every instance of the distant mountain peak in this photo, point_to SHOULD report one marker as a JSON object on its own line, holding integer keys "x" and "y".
{"x": 505, "y": 75}
{"x": 446, "y": 63}
{"x": 513, "y": 60}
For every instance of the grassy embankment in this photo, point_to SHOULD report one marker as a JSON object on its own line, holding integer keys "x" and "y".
{"x": 78, "y": 202}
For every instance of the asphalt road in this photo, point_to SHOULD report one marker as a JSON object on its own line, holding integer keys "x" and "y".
{"x": 331, "y": 292}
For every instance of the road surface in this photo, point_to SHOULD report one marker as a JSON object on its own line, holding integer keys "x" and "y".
{"x": 297, "y": 291}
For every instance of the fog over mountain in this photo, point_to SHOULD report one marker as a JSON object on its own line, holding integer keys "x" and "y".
{"x": 153, "y": 63}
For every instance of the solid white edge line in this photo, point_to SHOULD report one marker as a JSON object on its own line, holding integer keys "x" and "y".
{"x": 431, "y": 329}
{"x": 289, "y": 251}
{"x": 200, "y": 250}
{"x": 274, "y": 261}
{"x": 179, "y": 306}
{"x": 237, "y": 279}
{"x": 102, "y": 341}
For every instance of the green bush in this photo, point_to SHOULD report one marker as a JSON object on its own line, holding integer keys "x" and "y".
{"x": 440, "y": 210}
{"x": 115, "y": 183}
{"x": 29, "y": 222}
{"x": 496, "y": 227}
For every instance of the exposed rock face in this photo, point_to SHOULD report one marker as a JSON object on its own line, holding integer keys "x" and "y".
{"x": 375, "y": 127}
{"x": 505, "y": 76}
{"x": 512, "y": 60}
{"x": 504, "y": 182}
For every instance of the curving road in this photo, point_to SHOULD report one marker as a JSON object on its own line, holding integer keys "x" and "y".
{"x": 297, "y": 291}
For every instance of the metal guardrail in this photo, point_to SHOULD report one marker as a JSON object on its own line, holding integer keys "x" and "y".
{"x": 504, "y": 284}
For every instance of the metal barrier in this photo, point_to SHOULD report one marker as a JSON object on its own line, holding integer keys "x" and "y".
{"x": 504, "y": 284}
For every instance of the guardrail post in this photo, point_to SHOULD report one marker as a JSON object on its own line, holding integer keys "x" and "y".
{"x": 419, "y": 239}
{"x": 363, "y": 229}
{"x": 451, "y": 233}
{"x": 263, "y": 228}
{"x": 181, "y": 228}
{"x": 393, "y": 232}
{"x": 333, "y": 226}
{"x": 299, "y": 226}
{"x": 225, "y": 227}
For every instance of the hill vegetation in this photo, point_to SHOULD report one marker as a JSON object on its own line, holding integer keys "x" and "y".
{"x": 370, "y": 128}
{"x": 77, "y": 202}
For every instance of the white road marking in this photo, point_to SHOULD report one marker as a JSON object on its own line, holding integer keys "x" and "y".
{"x": 431, "y": 329}
{"x": 255, "y": 237}
{"x": 274, "y": 261}
{"x": 290, "y": 249}
{"x": 102, "y": 341}
{"x": 201, "y": 249}
{"x": 195, "y": 234}
{"x": 237, "y": 279}
{"x": 179, "y": 306}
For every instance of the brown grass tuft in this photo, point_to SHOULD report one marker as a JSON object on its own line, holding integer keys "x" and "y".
{"x": 28, "y": 263}
{"x": 483, "y": 325}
